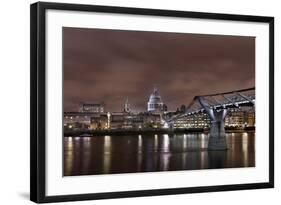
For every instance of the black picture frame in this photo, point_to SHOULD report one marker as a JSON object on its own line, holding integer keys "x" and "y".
{"x": 38, "y": 101}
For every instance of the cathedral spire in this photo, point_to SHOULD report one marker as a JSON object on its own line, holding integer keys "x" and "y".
{"x": 155, "y": 90}
{"x": 127, "y": 106}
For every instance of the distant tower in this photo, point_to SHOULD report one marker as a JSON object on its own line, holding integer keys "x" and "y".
{"x": 127, "y": 106}
{"x": 155, "y": 103}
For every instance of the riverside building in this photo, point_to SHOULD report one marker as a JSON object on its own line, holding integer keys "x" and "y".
{"x": 92, "y": 116}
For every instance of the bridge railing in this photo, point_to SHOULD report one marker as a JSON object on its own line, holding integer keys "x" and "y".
{"x": 217, "y": 101}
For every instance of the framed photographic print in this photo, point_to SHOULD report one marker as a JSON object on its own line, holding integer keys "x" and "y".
{"x": 129, "y": 102}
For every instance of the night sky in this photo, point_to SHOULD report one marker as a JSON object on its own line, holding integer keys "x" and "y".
{"x": 110, "y": 65}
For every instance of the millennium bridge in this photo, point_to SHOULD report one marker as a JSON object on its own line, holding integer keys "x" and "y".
{"x": 216, "y": 106}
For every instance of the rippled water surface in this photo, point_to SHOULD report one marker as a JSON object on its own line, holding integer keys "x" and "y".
{"x": 149, "y": 153}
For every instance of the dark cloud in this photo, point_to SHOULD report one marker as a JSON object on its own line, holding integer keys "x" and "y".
{"x": 109, "y": 66}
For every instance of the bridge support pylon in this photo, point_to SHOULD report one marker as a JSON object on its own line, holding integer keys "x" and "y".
{"x": 217, "y": 139}
{"x": 171, "y": 126}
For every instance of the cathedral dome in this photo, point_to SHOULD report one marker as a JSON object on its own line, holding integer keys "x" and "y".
{"x": 155, "y": 97}
{"x": 155, "y": 103}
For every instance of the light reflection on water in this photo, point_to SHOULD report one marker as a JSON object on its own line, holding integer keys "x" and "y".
{"x": 68, "y": 152}
{"x": 245, "y": 148}
{"x": 107, "y": 154}
{"x": 159, "y": 152}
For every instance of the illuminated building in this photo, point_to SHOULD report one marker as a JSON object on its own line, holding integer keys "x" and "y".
{"x": 99, "y": 122}
{"x": 122, "y": 120}
{"x": 92, "y": 116}
{"x": 75, "y": 120}
{"x": 92, "y": 107}
{"x": 200, "y": 120}
{"x": 155, "y": 103}
{"x": 152, "y": 120}
{"x": 240, "y": 117}
{"x": 126, "y": 119}
{"x": 85, "y": 118}
{"x": 250, "y": 118}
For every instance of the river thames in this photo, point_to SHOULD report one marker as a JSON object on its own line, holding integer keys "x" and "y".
{"x": 154, "y": 152}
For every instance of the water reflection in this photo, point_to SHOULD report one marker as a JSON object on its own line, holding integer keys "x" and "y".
{"x": 245, "y": 148}
{"x": 139, "y": 143}
{"x": 166, "y": 143}
{"x": 68, "y": 150}
{"x": 86, "y": 144}
{"x": 155, "y": 143}
{"x": 107, "y": 154}
{"x": 159, "y": 152}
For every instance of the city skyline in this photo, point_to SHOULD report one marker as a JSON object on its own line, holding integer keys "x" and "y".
{"x": 109, "y": 66}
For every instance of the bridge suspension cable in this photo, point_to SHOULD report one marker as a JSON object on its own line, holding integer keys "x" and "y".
{"x": 218, "y": 101}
